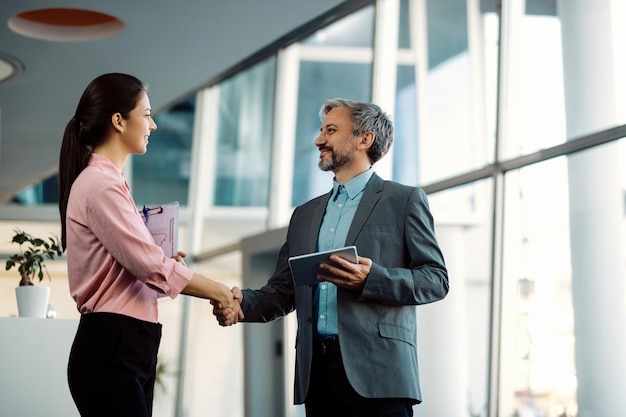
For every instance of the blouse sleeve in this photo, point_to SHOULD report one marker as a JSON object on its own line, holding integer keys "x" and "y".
{"x": 116, "y": 223}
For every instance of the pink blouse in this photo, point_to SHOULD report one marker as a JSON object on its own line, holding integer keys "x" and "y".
{"x": 113, "y": 263}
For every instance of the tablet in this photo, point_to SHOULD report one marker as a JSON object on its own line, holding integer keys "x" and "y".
{"x": 304, "y": 268}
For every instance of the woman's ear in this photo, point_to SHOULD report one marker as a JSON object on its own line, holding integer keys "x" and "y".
{"x": 117, "y": 121}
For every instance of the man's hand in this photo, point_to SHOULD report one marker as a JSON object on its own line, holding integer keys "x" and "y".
{"x": 226, "y": 316}
{"x": 344, "y": 273}
{"x": 179, "y": 257}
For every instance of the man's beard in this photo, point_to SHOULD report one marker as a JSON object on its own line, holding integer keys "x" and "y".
{"x": 339, "y": 158}
{"x": 335, "y": 161}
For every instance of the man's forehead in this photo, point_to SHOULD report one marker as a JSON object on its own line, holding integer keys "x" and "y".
{"x": 339, "y": 116}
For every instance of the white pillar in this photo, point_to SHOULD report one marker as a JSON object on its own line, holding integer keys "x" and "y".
{"x": 385, "y": 67}
{"x": 596, "y": 208}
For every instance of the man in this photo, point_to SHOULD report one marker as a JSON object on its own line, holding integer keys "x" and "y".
{"x": 356, "y": 349}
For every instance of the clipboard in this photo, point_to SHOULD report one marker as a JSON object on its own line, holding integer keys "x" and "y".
{"x": 304, "y": 268}
{"x": 162, "y": 222}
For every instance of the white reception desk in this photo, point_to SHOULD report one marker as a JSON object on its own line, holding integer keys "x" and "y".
{"x": 33, "y": 367}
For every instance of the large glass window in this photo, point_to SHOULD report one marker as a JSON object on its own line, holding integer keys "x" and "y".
{"x": 537, "y": 361}
{"x": 564, "y": 286}
{"x": 162, "y": 174}
{"x": 535, "y": 97}
{"x": 44, "y": 192}
{"x": 454, "y": 333}
{"x": 445, "y": 107}
{"x": 244, "y": 137}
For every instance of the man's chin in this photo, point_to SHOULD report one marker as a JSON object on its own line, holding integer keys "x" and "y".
{"x": 325, "y": 167}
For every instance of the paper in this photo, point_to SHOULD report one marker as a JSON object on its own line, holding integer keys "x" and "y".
{"x": 305, "y": 268}
{"x": 162, "y": 222}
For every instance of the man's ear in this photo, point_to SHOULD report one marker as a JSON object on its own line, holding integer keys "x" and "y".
{"x": 366, "y": 140}
{"x": 117, "y": 121}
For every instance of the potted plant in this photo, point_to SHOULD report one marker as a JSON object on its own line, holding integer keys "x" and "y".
{"x": 31, "y": 264}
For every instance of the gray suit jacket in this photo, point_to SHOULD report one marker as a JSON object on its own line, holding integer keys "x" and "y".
{"x": 377, "y": 327}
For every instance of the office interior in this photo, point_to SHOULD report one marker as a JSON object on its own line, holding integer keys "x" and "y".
{"x": 509, "y": 114}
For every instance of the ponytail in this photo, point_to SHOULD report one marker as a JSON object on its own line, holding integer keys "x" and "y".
{"x": 73, "y": 158}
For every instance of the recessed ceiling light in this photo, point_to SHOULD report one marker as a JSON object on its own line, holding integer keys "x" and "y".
{"x": 9, "y": 67}
{"x": 65, "y": 25}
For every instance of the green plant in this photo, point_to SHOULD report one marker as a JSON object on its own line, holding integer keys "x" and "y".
{"x": 164, "y": 370}
{"x": 31, "y": 260}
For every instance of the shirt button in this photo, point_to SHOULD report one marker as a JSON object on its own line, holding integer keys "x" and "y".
{"x": 332, "y": 230}
{"x": 323, "y": 286}
{"x": 340, "y": 205}
{"x": 321, "y": 316}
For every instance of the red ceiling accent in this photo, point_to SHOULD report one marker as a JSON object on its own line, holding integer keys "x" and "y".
{"x": 67, "y": 17}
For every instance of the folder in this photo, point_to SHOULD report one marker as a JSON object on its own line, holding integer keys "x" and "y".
{"x": 305, "y": 268}
{"x": 162, "y": 222}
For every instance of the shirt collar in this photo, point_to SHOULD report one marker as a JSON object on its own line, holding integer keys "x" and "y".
{"x": 356, "y": 184}
{"x": 104, "y": 164}
{"x": 107, "y": 166}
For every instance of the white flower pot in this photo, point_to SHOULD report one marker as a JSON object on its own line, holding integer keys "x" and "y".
{"x": 32, "y": 300}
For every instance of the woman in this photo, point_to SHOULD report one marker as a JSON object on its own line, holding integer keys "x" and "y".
{"x": 115, "y": 270}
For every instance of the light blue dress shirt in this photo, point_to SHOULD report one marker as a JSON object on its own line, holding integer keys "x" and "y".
{"x": 333, "y": 233}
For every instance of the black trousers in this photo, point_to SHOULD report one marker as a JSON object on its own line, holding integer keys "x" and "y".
{"x": 112, "y": 365}
{"x": 331, "y": 395}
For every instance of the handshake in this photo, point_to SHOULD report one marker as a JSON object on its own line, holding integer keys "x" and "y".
{"x": 227, "y": 316}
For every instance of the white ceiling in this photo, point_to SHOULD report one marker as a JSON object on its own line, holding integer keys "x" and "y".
{"x": 174, "y": 46}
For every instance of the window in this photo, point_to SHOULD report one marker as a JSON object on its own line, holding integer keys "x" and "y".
{"x": 244, "y": 138}
{"x": 161, "y": 175}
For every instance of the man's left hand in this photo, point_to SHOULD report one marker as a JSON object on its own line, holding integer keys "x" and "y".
{"x": 344, "y": 273}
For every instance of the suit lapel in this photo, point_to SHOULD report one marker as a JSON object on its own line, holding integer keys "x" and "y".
{"x": 370, "y": 198}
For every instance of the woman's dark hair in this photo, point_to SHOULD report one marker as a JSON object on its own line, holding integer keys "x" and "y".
{"x": 104, "y": 96}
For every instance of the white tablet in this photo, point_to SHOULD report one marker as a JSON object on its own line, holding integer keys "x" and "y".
{"x": 304, "y": 268}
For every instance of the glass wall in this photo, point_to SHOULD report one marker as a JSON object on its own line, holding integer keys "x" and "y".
{"x": 446, "y": 89}
{"x": 563, "y": 274}
{"x": 538, "y": 371}
{"x": 244, "y": 137}
{"x": 458, "y": 328}
{"x": 162, "y": 174}
{"x": 44, "y": 192}
{"x": 534, "y": 81}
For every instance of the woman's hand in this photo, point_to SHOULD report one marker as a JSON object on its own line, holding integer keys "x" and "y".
{"x": 219, "y": 294}
{"x": 226, "y": 316}
{"x": 227, "y": 308}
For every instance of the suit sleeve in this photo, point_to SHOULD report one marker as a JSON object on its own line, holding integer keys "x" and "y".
{"x": 408, "y": 268}
{"x": 276, "y": 298}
